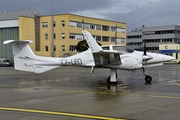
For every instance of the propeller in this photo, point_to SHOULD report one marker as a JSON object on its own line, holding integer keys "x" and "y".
{"x": 145, "y": 56}
{"x": 145, "y": 47}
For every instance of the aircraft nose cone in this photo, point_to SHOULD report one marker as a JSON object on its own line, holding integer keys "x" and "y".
{"x": 169, "y": 58}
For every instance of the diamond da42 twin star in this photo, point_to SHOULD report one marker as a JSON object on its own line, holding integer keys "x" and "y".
{"x": 113, "y": 57}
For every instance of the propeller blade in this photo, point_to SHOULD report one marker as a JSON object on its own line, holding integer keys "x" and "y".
{"x": 145, "y": 47}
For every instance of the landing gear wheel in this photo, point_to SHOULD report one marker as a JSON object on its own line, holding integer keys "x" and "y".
{"x": 109, "y": 81}
{"x": 148, "y": 79}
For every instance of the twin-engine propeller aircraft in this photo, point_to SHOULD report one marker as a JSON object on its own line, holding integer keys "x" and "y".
{"x": 113, "y": 57}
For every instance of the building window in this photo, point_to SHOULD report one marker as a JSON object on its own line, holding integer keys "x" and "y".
{"x": 113, "y": 39}
{"x": 44, "y": 24}
{"x": 98, "y": 38}
{"x": 72, "y": 48}
{"x": 76, "y": 36}
{"x": 122, "y": 40}
{"x": 79, "y": 37}
{"x": 105, "y": 39}
{"x": 54, "y": 24}
{"x": 72, "y": 24}
{"x": 46, "y": 47}
{"x": 54, "y": 48}
{"x": 63, "y": 23}
{"x": 113, "y": 29}
{"x": 63, "y": 47}
{"x": 116, "y": 29}
{"x": 121, "y": 30}
{"x": 86, "y": 25}
{"x": 92, "y": 26}
{"x": 46, "y": 36}
{"x": 105, "y": 28}
{"x": 63, "y": 35}
{"x": 176, "y": 55}
{"x": 79, "y": 25}
{"x": 54, "y": 35}
{"x": 98, "y": 27}
{"x": 72, "y": 36}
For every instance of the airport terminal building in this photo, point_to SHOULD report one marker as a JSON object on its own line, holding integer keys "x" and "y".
{"x": 32, "y": 25}
{"x": 156, "y": 39}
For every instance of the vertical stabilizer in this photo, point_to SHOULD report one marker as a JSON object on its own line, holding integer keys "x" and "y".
{"x": 93, "y": 45}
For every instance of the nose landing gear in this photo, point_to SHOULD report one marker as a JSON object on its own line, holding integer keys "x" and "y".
{"x": 148, "y": 78}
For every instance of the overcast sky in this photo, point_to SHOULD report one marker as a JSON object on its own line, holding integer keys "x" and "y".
{"x": 134, "y": 13}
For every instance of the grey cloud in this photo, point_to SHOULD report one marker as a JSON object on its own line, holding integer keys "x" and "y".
{"x": 134, "y": 13}
{"x": 60, "y": 6}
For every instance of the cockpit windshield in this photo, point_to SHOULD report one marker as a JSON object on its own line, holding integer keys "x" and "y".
{"x": 130, "y": 50}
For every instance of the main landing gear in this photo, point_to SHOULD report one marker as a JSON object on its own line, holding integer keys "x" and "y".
{"x": 148, "y": 78}
{"x": 112, "y": 79}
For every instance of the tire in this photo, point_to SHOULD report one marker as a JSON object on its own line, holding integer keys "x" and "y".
{"x": 148, "y": 79}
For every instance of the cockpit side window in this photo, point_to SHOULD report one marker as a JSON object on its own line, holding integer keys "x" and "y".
{"x": 123, "y": 49}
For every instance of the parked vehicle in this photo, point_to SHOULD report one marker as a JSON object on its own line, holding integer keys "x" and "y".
{"x": 4, "y": 62}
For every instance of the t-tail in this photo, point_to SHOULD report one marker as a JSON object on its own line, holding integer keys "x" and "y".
{"x": 26, "y": 60}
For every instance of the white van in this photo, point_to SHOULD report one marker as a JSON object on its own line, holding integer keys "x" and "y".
{"x": 4, "y": 62}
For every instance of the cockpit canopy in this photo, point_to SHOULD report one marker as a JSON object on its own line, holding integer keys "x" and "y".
{"x": 119, "y": 48}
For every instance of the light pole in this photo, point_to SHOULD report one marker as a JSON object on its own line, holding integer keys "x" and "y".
{"x": 116, "y": 34}
{"x": 83, "y": 26}
{"x": 52, "y": 52}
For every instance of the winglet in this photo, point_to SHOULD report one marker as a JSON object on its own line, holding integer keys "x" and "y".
{"x": 93, "y": 45}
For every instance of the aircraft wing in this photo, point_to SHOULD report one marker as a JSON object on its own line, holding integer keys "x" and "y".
{"x": 101, "y": 57}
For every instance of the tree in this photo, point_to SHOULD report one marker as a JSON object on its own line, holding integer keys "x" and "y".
{"x": 82, "y": 45}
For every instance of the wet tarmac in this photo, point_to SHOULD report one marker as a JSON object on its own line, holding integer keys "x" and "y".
{"x": 72, "y": 93}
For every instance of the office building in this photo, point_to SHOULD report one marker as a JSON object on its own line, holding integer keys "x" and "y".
{"x": 67, "y": 32}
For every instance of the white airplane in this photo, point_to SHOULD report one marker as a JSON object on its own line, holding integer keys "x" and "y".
{"x": 113, "y": 57}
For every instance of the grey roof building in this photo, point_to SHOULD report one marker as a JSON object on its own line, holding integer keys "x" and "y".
{"x": 9, "y": 28}
{"x": 153, "y": 36}
{"x": 13, "y": 15}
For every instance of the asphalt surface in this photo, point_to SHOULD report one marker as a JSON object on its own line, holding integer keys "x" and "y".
{"x": 72, "y": 93}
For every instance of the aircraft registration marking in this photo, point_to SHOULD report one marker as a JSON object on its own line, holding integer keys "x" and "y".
{"x": 76, "y": 61}
{"x": 59, "y": 113}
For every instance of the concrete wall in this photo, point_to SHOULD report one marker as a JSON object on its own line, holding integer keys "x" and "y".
{"x": 170, "y": 49}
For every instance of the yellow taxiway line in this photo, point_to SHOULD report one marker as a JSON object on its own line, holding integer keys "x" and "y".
{"x": 59, "y": 113}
